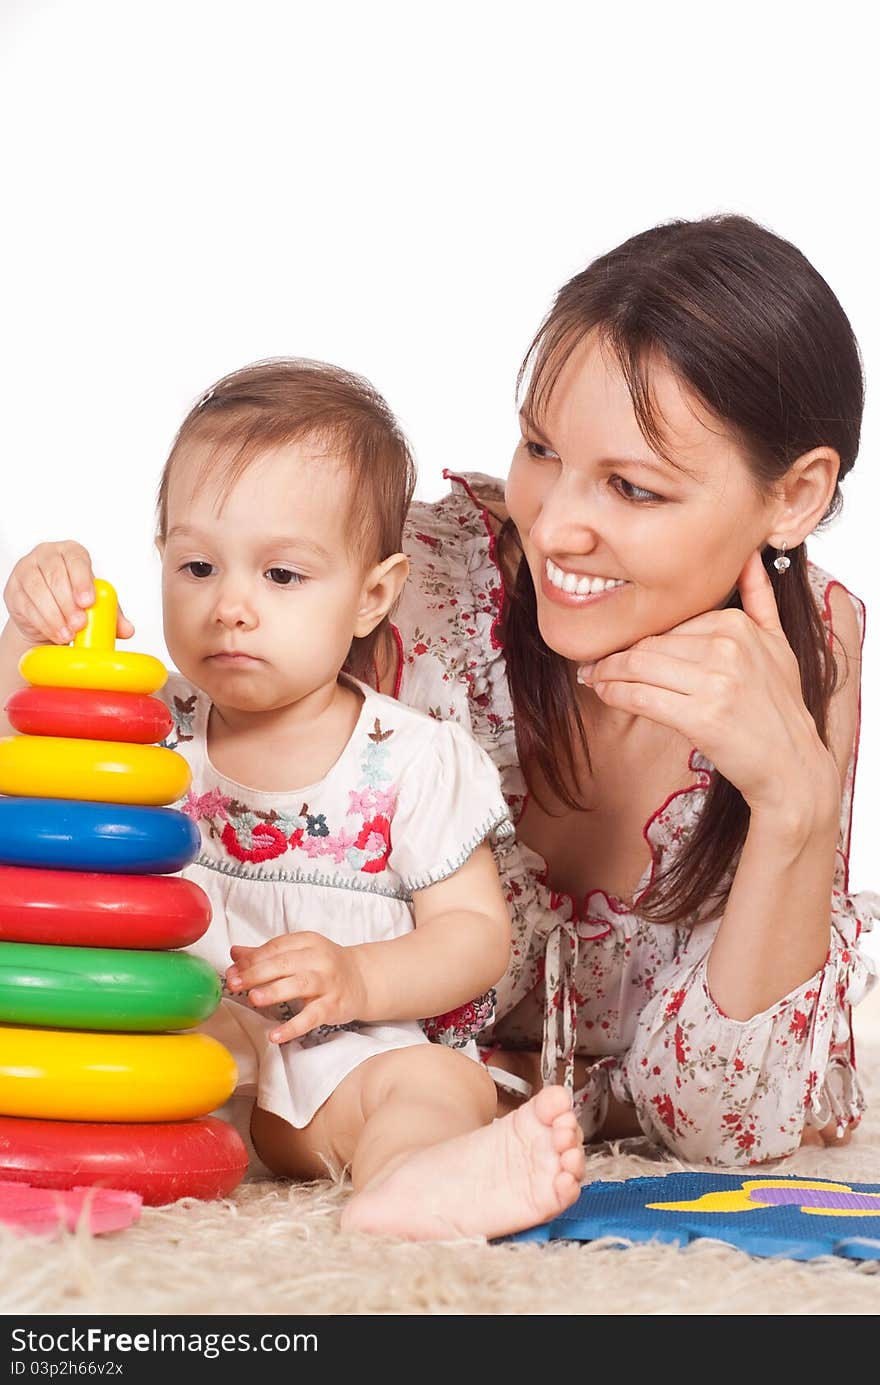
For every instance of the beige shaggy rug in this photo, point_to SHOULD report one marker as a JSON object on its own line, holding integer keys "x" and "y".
{"x": 275, "y": 1248}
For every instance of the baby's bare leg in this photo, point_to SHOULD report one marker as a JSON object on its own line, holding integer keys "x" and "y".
{"x": 388, "y": 1106}
{"x": 414, "y": 1098}
{"x": 428, "y": 1161}
{"x": 432, "y": 1164}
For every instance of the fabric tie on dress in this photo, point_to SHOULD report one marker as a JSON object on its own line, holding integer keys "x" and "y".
{"x": 560, "y": 1003}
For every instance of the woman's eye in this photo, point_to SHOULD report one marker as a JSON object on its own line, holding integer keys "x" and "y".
{"x": 283, "y": 576}
{"x": 198, "y": 569}
{"x": 636, "y": 493}
{"x": 539, "y": 451}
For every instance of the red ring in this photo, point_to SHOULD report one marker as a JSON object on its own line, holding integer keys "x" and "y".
{"x": 87, "y": 909}
{"x": 161, "y": 1161}
{"x": 84, "y": 713}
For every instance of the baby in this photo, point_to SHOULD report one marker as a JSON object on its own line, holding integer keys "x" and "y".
{"x": 345, "y": 837}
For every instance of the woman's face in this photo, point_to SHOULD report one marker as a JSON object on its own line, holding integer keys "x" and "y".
{"x": 620, "y": 543}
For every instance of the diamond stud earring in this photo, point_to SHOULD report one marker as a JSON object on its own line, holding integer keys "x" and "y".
{"x": 781, "y": 563}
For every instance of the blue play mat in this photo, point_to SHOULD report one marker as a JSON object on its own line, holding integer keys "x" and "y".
{"x": 799, "y": 1218}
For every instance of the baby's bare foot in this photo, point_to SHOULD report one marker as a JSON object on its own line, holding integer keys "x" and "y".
{"x": 517, "y": 1172}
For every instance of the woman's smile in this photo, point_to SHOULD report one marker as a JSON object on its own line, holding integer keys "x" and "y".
{"x": 567, "y": 588}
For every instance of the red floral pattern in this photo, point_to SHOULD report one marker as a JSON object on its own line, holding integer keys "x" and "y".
{"x": 589, "y": 976}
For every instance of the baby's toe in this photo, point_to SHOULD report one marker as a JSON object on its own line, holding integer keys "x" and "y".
{"x": 573, "y": 1161}
{"x": 566, "y": 1131}
{"x": 567, "y": 1189}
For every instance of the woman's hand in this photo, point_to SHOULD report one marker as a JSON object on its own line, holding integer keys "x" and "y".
{"x": 306, "y": 967}
{"x": 729, "y": 682}
{"x": 49, "y": 591}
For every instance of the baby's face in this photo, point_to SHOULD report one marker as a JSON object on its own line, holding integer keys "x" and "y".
{"x": 261, "y": 586}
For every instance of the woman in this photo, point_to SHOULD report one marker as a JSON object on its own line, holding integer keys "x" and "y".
{"x": 670, "y": 690}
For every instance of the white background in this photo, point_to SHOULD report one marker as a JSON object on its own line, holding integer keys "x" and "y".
{"x": 399, "y": 188}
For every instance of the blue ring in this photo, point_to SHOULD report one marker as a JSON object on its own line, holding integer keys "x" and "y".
{"x": 64, "y": 834}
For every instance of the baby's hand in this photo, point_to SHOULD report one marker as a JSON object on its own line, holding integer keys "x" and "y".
{"x": 308, "y": 967}
{"x": 49, "y": 591}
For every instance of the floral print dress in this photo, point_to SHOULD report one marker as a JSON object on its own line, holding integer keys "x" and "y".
{"x": 588, "y": 976}
{"x": 404, "y": 806}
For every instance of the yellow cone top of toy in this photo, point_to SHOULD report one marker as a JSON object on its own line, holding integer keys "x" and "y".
{"x": 93, "y": 661}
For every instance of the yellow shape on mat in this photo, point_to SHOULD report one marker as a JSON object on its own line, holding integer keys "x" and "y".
{"x": 739, "y": 1199}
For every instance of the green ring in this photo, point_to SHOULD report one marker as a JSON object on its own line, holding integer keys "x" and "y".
{"x": 110, "y": 988}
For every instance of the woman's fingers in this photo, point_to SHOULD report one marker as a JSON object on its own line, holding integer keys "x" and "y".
{"x": 758, "y": 596}
{"x": 673, "y": 709}
{"x": 648, "y": 666}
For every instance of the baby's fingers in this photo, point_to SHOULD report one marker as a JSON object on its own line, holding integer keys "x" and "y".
{"x": 285, "y": 988}
{"x": 66, "y": 570}
{"x": 309, "y": 1017}
{"x": 42, "y": 591}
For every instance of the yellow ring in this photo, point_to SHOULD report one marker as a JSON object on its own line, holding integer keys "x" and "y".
{"x": 107, "y": 771}
{"x": 56, "y": 1074}
{"x": 59, "y": 666}
{"x": 94, "y": 661}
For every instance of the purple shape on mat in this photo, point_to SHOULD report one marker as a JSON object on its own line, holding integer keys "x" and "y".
{"x": 817, "y": 1197}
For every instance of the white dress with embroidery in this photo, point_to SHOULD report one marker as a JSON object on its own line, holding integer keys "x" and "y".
{"x": 404, "y": 806}
{"x": 588, "y": 976}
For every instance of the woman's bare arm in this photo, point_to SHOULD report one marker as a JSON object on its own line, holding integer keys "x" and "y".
{"x": 776, "y": 928}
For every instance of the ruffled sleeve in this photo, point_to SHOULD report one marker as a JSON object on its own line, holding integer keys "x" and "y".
{"x": 449, "y": 802}
{"x": 448, "y": 622}
{"x": 730, "y": 1091}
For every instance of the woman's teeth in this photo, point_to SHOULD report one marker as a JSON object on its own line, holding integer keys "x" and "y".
{"x": 580, "y": 586}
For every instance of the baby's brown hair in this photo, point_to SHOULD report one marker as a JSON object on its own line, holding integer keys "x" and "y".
{"x": 286, "y": 400}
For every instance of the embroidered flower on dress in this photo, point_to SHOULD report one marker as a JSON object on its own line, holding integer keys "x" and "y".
{"x": 374, "y": 838}
{"x": 262, "y": 842}
{"x": 212, "y": 804}
{"x": 457, "y": 1027}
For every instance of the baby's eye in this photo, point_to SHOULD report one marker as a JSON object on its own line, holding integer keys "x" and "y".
{"x": 283, "y": 576}
{"x": 638, "y": 494}
{"x": 198, "y": 569}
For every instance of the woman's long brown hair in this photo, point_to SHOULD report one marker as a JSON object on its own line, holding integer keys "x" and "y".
{"x": 753, "y": 330}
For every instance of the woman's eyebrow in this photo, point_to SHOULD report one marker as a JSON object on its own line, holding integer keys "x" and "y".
{"x": 532, "y": 426}
{"x": 662, "y": 466}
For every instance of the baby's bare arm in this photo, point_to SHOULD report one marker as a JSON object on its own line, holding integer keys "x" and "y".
{"x": 12, "y": 645}
{"x": 459, "y": 948}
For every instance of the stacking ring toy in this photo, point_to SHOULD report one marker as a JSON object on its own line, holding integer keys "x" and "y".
{"x": 112, "y": 771}
{"x": 105, "y": 988}
{"x": 204, "y": 1158}
{"x": 62, "y": 1074}
{"x": 93, "y": 660}
{"x": 66, "y": 835}
{"x": 90, "y": 910}
{"x": 88, "y": 714}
